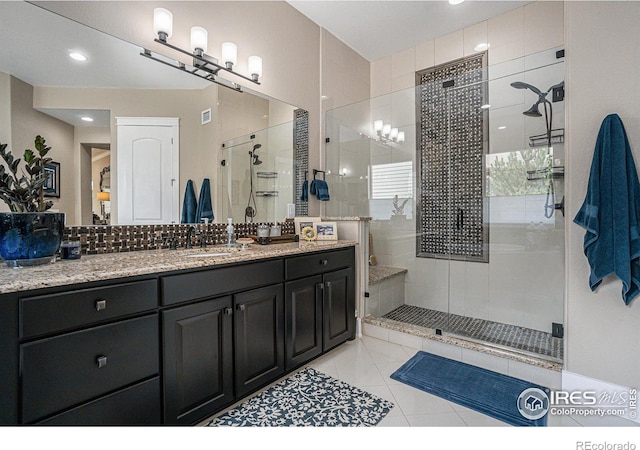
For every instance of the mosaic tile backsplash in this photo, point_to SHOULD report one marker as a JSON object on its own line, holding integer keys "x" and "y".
{"x": 96, "y": 240}
{"x": 452, "y": 143}
{"x": 301, "y": 149}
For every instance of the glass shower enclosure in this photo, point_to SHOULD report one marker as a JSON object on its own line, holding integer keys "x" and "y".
{"x": 463, "y": 177}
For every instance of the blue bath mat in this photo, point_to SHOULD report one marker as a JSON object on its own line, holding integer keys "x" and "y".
{"x": 502, "y": 397}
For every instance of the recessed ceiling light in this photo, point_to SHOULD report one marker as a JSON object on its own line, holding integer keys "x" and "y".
{"x": 455, "y": 2}
{"x": 482, "y": 46}
{"x": 485, "y": 106}
{"x": 502, "y": 127}
{"x": 87, "y": 119}
{"x": 77, "y": 56}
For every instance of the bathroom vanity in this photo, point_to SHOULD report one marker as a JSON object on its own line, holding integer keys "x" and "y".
{"x": 167, "y": 336}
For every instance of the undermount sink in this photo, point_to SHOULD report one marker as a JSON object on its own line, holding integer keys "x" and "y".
{"x": 206, "y": 255}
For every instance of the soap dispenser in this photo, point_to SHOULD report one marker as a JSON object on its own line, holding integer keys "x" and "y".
{"x": 231, "y": 238}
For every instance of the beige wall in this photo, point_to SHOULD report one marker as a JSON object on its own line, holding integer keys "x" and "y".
{"x": 603, "y": 64}
{"x": 26, "y": 124}
{"x": 287, "y": 41}
{"x": 5, "y": 109}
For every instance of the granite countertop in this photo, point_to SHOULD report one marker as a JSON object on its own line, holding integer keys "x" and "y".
{"x": 346, "y": 219}
{"x": 120, "y": 265}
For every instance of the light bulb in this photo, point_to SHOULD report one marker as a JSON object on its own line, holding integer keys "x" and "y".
{"x": 394, "y": 133}
{"x": 255, "y": 67}
{"x": 199, "y": 38}
{"x": 162, "y": 23}
{"x": 400, "y": 136}
{"x": 386, "y": 129}
{"x": 377, "y": 125}
{"x": 229, "y": 54}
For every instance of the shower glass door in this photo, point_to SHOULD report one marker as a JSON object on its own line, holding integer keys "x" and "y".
{"x": 465, "y": 192}
{"x": 257, "y": 175}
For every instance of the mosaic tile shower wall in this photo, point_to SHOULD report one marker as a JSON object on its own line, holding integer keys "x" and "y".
{"x": 301, "y": 150}
{"x": 452, "y": 142}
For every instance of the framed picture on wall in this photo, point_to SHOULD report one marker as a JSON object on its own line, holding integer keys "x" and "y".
{"x": 301, "y": 222}
{"x": 327, "y": 231}
{"x": 52, "y": 185}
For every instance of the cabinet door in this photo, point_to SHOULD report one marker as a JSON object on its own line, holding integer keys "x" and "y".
{"x": 338, "y": 308}
{"x": 198, "y": 364}
{"x": 259, "y": 337}
{"x": 303, "y": 320}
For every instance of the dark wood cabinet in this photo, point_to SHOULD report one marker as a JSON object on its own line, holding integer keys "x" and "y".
{"x": 258, "y": 337}
{"x": 338, "y": 308}
{"x": 172, "y": 348}
{"x": 320, "y": 308}
{"x": 197, "y": 360}
{"x": 303, "y": 321}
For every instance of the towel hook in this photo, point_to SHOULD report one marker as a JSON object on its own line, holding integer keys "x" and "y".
{"x": 316, "y": 171}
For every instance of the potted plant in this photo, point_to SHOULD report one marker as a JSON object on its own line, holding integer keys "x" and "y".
{"x": 28, "y": 234}
{"x": 398, "y": 208}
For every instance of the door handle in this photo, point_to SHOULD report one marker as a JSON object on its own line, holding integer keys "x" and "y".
{"x": 101, "y": 304}
{"x": 228, "y": 311}
{"x": 101, "y": 361}
{"x": 240, "y": 307}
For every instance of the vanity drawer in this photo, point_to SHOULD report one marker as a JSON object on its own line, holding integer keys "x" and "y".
{"x": 317, "y": 263}
{"x": 135, "y": 405}
{"x": 72, "y": 368}
{"x": 59, "y": 312}
{"x": 214, "y": 282}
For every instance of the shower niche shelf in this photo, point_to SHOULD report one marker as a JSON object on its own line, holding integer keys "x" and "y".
{"x": 541, "y": 140}
{"x": 267, "y": 193}
{"x": 543, "y": 174}
{"x": 267, "y": 174}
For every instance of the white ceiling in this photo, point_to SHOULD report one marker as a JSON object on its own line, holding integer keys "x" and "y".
{"x": 36, "y": 42}
{"x": 376, "y": 29}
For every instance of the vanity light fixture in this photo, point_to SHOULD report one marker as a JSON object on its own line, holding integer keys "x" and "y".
{"x": 203, "y": 65}
{"x": 386, "y": 132}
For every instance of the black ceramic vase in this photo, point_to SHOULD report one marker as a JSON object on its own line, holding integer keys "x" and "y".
{"x": 29, "y": 239}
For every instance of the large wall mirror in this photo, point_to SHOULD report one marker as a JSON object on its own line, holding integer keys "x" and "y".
{"x": 74, "y": 105}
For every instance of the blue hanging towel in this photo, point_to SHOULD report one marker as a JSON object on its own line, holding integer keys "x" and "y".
{"x": 189, "y": 204}
{"x": 322, "y": 190}
{"x": 611, "y": 211}
{"x": 305, "y": 191}
{"x": 205, "y": 210}
{"x": 312, "y": 187}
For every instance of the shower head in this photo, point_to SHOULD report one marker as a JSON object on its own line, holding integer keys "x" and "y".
{"x": 257, "y": 146}
{"x": 523, "y": 85}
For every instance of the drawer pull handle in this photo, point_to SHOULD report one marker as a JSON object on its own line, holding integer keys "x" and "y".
{"x": 228, "y": 311}
{"x": 241, "y": 307}
{"x": 101, "y": 361}
{"x": 323, "y": 262}
{"x": 101, "y": 304}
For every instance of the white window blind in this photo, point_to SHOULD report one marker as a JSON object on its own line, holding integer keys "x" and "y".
{"x": 389, "y": 180}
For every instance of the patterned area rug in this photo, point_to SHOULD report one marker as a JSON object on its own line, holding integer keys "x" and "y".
{"x": 308, "y": 398}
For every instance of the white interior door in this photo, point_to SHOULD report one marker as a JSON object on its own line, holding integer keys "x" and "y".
{"x": 147, "y": 170}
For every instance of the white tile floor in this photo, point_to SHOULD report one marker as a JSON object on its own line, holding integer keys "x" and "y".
{"x": 368, "y": 362}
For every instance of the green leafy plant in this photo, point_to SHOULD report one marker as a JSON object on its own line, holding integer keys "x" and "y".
{"x": 398, "y": 208}
{"x": 23, "y": 189}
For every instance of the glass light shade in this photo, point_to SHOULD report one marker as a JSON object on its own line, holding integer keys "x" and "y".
{"x": 255, "y": 67}
{"x": 199, "y": 38}
{"x": 400, "y": 136}
{"x": 386, "y": 129}
{"x": 163, "y": 21}
{"x": 229, "y": 53}
{"x": 104, "y": 196}
{"x": 394, "y": 133}
{"x": 377, "y": 125}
